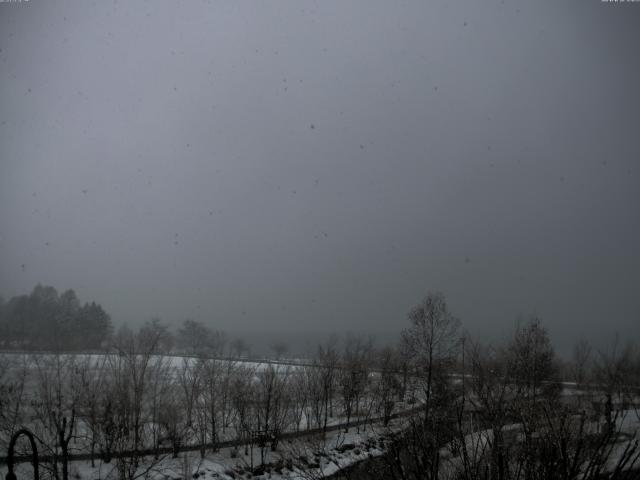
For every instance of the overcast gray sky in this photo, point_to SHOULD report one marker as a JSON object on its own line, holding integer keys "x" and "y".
{"x": 320, "y": 165}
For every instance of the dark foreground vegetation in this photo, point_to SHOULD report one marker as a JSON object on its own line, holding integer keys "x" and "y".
{"x": 514, "y": 411}
{"x": 476, "y": 412}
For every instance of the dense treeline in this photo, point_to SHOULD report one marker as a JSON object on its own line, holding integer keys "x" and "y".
{"x": 46, "y": 320}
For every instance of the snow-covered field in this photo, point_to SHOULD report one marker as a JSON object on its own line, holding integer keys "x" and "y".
{"x": 176, "y": 361}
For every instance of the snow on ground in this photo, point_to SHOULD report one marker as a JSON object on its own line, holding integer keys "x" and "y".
{"x": 297, "y": 459}
{"x": 175, "y": 361}
{"x": 629, "y": 422}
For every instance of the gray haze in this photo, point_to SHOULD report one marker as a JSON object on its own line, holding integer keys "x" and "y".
{"x": 318, "y": 166}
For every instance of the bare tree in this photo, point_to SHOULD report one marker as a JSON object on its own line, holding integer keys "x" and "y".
{"x": 580, "y": 362}
{"x": 491, "y": 391}
{"x": 196, "y": 338}
{"x": 300, "y": 390}
{"x": 272, "y": 403}
{"x": 230, "y": 369}
{"x": 214, "y": 391}
{"x": 160, "y": 385}
{"x": 326, "y": 361}
{"x": 432, "y": 343}
{"x": 190, "y": 382}
{"x": 613, "y": 373}
{"x": 533, "y": 361}
{"x": 14, "y": 371}
{"x": 280, "y": 349}
{"x": 242, "y": 394}
{"x": 172, "y": 416}
{"x": 92, "y": 380}
{"x": 239, "y": 347}
{"x": 354, "y": 374}
{"x": 388, "y": 387}
{"x": 129, "y": 374}
{"x": 56, "y": 407}
{"x": 314, "y": 377}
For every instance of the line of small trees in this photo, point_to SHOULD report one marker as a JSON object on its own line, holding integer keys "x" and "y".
{"x": 124, "y": 406}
